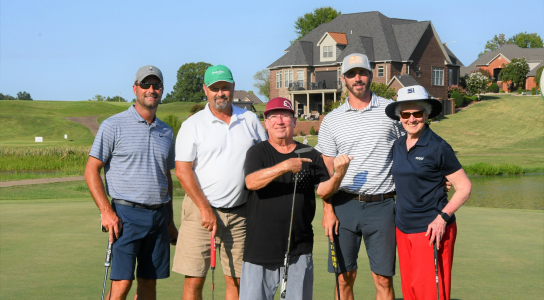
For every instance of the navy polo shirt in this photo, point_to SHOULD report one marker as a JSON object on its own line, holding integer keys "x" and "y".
{"x": 419, "y": 176}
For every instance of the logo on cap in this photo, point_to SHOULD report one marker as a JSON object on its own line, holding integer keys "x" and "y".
{"x": 218, "y": 72}
{"x": 355, "y": 59}
{"x": 411, "y": 91}
{"x": 150, "y": 68}
{"x": 287, "y": 104}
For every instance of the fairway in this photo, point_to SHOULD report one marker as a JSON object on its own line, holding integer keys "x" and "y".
{"x": 51, "y": 247}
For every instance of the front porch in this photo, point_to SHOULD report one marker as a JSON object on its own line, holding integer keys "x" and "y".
{"x": 311, "y": 103}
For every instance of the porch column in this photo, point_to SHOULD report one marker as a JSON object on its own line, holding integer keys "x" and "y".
{"x": 322, "y": 104}
{"x": 308, "y": 104}
{"x": 334, "y": 97}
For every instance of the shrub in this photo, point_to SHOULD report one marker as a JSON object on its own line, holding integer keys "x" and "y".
{"x": 196, "y": 108}
{"x": 474, "y": 98}
{"x": 333, "y": 105}
{"x": 173, "y": 122}
{"x": 455, "y": 88}
{"x": 477, "y": 82}
{"x": 533, "y": 90}
{"x": 312, "y": 131}
{"x": 494, "y": 88}
{"x": 520, "y": 90}
{"x": 300, "y": 133}
{"x": 382, "y": 90}
{"x": 458, "y": 98}
{"x": 501, "y": 91}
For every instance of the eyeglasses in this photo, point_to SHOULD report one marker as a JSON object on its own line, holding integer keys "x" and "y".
{"x": 360, "y": 72}
{"x": 276, "y": 117}
{"x": 416, "y": 114}
{"x": 147, "y": 85}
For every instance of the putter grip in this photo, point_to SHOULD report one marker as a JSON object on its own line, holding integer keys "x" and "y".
{"x": 107, "y": 263}
{"x": 333, "y": 257}
{"x": 213, "y": 252}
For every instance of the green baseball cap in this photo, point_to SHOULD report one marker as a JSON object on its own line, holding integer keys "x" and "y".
{"x": 217, "y": 73}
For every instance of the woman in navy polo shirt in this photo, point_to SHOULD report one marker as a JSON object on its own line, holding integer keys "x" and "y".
{"x": 422, "y": 161}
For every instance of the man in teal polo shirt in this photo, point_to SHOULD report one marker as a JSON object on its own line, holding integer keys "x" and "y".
{"x": 136, "y": 150}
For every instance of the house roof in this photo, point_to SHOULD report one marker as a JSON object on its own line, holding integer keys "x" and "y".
{"x": 509, "y": 51}
{"x": 405, "y": 80}
{"x": 339, "y": 37}
{"x": 370, "y": 33}
{"x": 241, "y": 95}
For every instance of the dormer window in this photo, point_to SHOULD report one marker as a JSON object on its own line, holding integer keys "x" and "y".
{"x": 331, "y": 44}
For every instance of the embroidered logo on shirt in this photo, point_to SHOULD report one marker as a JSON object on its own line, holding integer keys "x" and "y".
{"x": 419, "y": 158}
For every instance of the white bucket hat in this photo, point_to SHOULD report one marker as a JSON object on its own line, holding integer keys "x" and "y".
{"x": 411, "y": 94}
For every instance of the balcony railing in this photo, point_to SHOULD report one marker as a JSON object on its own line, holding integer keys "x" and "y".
{"x": 320, "y": 85}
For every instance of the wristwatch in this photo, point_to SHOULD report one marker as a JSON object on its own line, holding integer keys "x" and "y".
{"x": 445, "y": 216}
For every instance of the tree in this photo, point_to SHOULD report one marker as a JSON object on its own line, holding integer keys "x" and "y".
{"x": 189, "y": 84}
{"x": 263, "y": 82}
{"x": 23, "y": 96}
{"x": 382, "y": 90}
{"x": 526, "y": 40}
{"x": 115, "y": 99}
{"x": 538, "y": 75}
{"x": 310, "y": 21}
{"x": 98, "y": 97}
{"x": 7, "y": 97}
{"x": 477, "y": 82}
{"x": 515, "y": 71}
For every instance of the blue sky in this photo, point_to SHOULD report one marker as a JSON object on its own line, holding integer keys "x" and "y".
{"x": 73, "y": 50}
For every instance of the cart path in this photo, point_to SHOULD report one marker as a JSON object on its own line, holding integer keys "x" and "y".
{"x": 89, "y": 122}
{"x": 39, "y": 181}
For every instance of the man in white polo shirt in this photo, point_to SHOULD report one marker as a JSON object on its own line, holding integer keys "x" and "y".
{"x": 211, "y": 148}
{"x": 364, "y": 206}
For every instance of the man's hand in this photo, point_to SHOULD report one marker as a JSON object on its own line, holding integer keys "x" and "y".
{"x": 436, "y": 231}
{"x": 209, "y": 220}
{"x": 447, "y": 186}
{"x": 112, "y": 223}
{"x": 341, "y": 164}
{"x": 173, "y": 233}
{"x": 294, "y": 165}
{"x": 330, "y": 222}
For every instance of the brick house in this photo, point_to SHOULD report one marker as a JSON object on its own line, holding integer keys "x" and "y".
{"x": 493, "y": 61}
{"x": 400, "y": 52}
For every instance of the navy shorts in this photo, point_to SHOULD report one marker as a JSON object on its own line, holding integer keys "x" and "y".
{"x": 372, "y": 221}
{"x": 145, "y": 239}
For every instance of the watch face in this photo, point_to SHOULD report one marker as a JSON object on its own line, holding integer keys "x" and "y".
{"x": 445, "y": 216}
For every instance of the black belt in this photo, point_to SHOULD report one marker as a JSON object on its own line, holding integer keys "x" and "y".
{"x": 366, "y": 198}
{"x": 128, "y": 203}
{"x": 227, "y": 210}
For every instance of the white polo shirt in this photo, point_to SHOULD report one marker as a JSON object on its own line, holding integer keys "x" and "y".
{"x": 218, "y": 151}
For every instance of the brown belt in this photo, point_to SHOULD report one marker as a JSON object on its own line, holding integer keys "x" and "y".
{"x": 366, "y": 198}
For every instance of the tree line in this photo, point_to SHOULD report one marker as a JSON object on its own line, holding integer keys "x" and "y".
{"x": 20, "y": 96}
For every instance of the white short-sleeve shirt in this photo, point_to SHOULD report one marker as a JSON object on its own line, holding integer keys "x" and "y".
{"x": 218, "y": 151}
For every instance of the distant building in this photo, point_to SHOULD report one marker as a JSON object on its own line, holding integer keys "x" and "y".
{"x": 401, "y": 52}
{"x": 493, "y": 61}
{"x": 240, "y": 96}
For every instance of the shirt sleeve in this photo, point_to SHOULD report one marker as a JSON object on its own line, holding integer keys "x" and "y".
{"x": 104, "y": 142}
{"x": 186, "y": 143}
{"x": 318, "y": 170}
{"x": 172, "y": 154}
{"x": 449, "y": 163}
{"x": 325, "y": 141}
{"x": 260, "y": 130}
{"x": 254, "y": 160}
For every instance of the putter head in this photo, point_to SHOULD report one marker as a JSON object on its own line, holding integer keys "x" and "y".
{"x": 303, "y": 150}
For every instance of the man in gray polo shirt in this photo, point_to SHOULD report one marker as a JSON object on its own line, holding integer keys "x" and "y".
{"x": 136, "y": 150}
{"x": 364, "y": 206}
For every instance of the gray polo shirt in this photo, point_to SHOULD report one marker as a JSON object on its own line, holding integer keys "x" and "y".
{"x": 136, "y": 157}
{"x": 368, "y": 136}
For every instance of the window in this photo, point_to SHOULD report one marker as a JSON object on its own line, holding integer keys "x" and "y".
{"x": 278, "y": 79}
{"x": 450, "y": 77}
{"x": 300, "y": 78}
{"x": 288, "y": 78}
{"x": 327, "y": 51}
{"x": 380, "y": 71}
{"x": 438, "y": 76}
{"x": 418, "y": 72}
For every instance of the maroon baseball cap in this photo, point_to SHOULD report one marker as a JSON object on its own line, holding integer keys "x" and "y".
{"x": 279, "y": 103}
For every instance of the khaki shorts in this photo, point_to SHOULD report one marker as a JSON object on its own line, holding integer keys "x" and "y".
{"x": 192, "y": 256}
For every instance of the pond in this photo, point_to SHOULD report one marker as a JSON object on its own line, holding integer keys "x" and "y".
{"x": 507, "y": 191}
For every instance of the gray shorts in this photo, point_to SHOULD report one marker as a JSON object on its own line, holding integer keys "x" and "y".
{"x": 372, "y": 221}
{"x": 260, "y": 282}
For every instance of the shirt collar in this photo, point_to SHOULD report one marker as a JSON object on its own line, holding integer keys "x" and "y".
{"x": 373, "y": 103}
{"x": 425, "y": 137}
{"x": 134, "y": 113}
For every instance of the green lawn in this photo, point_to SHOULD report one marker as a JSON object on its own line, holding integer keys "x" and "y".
{"x": 51, "y": 247}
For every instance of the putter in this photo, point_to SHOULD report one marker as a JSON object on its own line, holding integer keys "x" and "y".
{"x": 213, "y": 265}
{"x": 335, "y": 266}
{"x": 286, "y": 261}
{"x": 107, "y": 264}
{"x": 436, "y": 270}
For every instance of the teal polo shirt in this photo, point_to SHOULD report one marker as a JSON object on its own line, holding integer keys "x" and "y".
{"x": 419, "y": 176}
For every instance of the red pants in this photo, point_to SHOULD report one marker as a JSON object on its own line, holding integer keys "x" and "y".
{"x": 416, "y": 260}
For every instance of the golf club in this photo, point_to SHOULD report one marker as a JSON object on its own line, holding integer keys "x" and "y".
{"x": 107, "y": 264}
{"x": 213, "y": 265}
{"x": 335, "y": 266}
{"x": 286, "y": 261}
{"x": 436, "y": 270}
